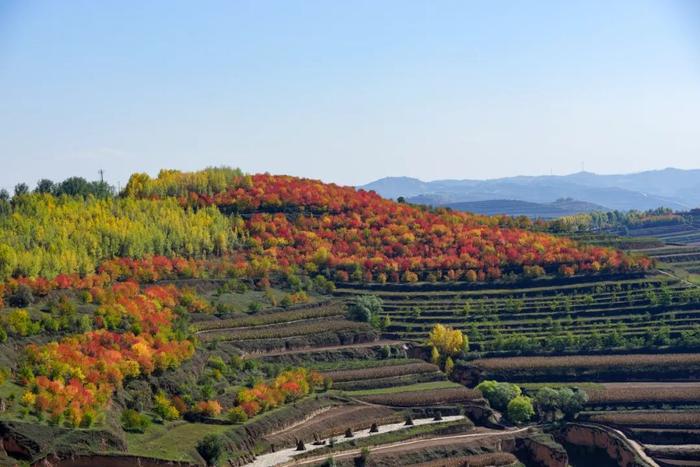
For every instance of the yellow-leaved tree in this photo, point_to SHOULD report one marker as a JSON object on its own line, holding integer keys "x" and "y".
{"x": 447, "y": 340}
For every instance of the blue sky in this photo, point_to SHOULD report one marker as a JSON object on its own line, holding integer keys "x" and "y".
{"x": 348, "y": 91}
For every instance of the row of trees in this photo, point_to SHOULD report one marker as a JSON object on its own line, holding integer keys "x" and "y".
{"x": 657, "y": 335}
{"x": 549, "y": 403}
{"x": 73, "y": 186}
{"x": 44, "y": 235}
{"x": 616, "y": 220}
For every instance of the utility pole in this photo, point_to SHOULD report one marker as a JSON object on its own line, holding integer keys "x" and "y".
{"x": 102, "y": 175}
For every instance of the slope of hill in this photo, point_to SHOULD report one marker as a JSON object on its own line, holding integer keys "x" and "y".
{"x": 673, "y": 188}
{"x": 206, "y": 318}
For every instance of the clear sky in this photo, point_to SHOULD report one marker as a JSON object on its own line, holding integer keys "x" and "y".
{"x": 348, "y": 91}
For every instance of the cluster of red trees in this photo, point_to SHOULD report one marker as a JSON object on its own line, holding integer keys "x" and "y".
{"x": 357, "y": 235}
{"x": 287, "y": 386}
{"x": 74, "y": 379}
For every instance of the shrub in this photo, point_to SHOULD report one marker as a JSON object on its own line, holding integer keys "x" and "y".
{"x": 237, "y": 415}
{"x": 499, "y": 394}
{"x": 211, "y": 447}
{"x": 134, "y": 421}
{"x": 449, "y": 365}
{"x": 22, "y": 297}
{"x": 209, "y": 408}
{"x": 366, "y": 308}
{"x": 165, "y": 408}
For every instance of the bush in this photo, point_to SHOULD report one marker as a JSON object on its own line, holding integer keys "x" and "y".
{"x": 366, "y": 308}
{"x": 23, "y": 297}
{"x": 134, "y": 421}
{"x": 520, "y": 409}
{"x": 211, "y": 447}
{"x": 498, "y": 394}
{"x": 165, "y": 408}
{"x": 237, "y": 415}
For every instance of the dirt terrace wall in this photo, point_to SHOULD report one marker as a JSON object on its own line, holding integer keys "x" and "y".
{"x": 541, "y": 450}
{"x": 594, "y": 436}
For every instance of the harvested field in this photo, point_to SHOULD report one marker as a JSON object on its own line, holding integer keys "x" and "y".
{"x": 284, "y": 330}
{"x": 381, "y": 372}
{"x": 477, "y": 460}
{"x": 323, "y": 339}
{"x": 423, "y": 398}
{"x": 665, "y": 435}
{"x": 631, "y": 367}
{"x": 652, "y": 418}
{"x": 390, "y": 382}
{"x": 587, "y": 361}
{"x": 620, "y": 393}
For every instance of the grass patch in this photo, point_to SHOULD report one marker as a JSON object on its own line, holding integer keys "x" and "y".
{"x": 172, "y": 441}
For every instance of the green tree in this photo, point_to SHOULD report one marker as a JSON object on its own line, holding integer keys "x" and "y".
{"x": 449, "y": 365}
{"x": 499, "y": 394}
{"x": 571, "y": 402}
{"x": 8, "y": 261}
{"x": 366, "y": 308}
{"x": 547, "y": 402}
{"x": 520, "y": 410}
{"x": 435, "y": 356}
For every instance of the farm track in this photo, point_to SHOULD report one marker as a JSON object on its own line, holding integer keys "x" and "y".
{"x": 417, "y": 444}
{"x": 333, "y": 422}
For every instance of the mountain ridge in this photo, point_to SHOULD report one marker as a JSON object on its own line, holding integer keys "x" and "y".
{"x": 674, "y": 188}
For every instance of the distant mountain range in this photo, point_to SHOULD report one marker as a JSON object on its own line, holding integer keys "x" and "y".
{"x": 581, "y": 192}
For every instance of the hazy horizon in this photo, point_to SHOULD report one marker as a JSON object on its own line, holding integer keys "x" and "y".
{"x": 348, "y": 93}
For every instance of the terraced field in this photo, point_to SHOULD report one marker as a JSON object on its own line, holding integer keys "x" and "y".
{"x": 373, "y": 379}
{"x": 525, "y": 318}
{"x": 680, "y": 234}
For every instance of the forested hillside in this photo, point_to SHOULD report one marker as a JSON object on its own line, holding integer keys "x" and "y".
{"x": 213, "y": 303}
{"x": 283, "y": 222}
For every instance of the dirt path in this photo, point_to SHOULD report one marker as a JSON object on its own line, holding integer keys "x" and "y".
{"x": 666, "y": 273}
{"x": 403, "y": 446}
